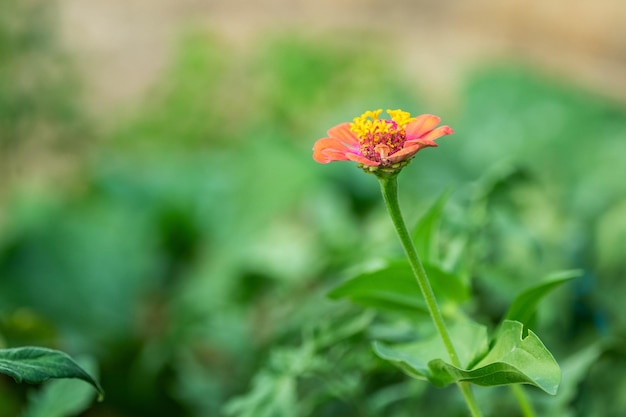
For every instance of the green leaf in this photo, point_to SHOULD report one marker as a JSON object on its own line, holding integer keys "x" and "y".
{"x": 414, "y": 358}
{"x": 391, "y": 286}
{"x": 446, "y": 285}
{"x": 35, "y": 365}
{"x": 61, "y": 398}
{"x": 394, "y": 287}
{"x": 426, "y": 231}
{"x": 511, "y": 360}
{"x": 523, "y": 307}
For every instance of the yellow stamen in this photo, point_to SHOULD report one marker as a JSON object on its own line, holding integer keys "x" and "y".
{"x": 380, "y": 138}
{"x": 368, "y": 123}
{"x": 402, "y": 118}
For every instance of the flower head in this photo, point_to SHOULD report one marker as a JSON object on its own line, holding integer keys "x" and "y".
{"x": 380, "y": 144}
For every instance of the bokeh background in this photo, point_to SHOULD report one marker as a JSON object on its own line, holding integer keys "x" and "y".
{"x": 161, "y": 217}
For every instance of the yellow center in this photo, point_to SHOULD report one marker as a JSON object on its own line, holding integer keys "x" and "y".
{"x": 379, "y": 138}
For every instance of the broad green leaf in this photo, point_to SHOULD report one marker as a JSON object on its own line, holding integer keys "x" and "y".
{"x": 470, "y": 339}
{"x": 512, "y": 359}
{"x": 446, "y": 285}
{"x": 61, "y": 398}
{"x": 425, "y": 233}
{"x": 393, "y": 286}
{"x": 36, "y": 365}
{"x": 523, "y": 307}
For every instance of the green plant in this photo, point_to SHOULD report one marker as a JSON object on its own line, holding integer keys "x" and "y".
{"x": 511, "y": 355}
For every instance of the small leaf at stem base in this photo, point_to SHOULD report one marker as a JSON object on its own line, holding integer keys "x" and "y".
{"x": 512, "y": 359}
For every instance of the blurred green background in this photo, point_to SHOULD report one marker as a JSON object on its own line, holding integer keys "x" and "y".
{"x": 160, "y": 213}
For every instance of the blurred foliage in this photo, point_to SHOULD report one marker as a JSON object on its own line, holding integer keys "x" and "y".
{"x": 40, "y": 111}
{"x": 192, "y": 252}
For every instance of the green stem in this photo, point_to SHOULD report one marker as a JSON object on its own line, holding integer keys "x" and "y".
{"x": 389, "y": 188}
{"x": 522, "y": 399}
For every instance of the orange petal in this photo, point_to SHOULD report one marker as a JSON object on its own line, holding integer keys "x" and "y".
{"x": 343, "y": 133}
{"x": 422, "y": 124}
{"x": 424, "y": 142}
{"x": 328, "y": 149}
{"x": 359, "y": 158}
{"x": 437, "y": 133}
{"x": 410, "y": 149}
{"x": 405, "y": 153}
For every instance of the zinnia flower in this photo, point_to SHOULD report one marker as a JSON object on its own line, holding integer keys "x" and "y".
{"x": 379, "y": 143}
